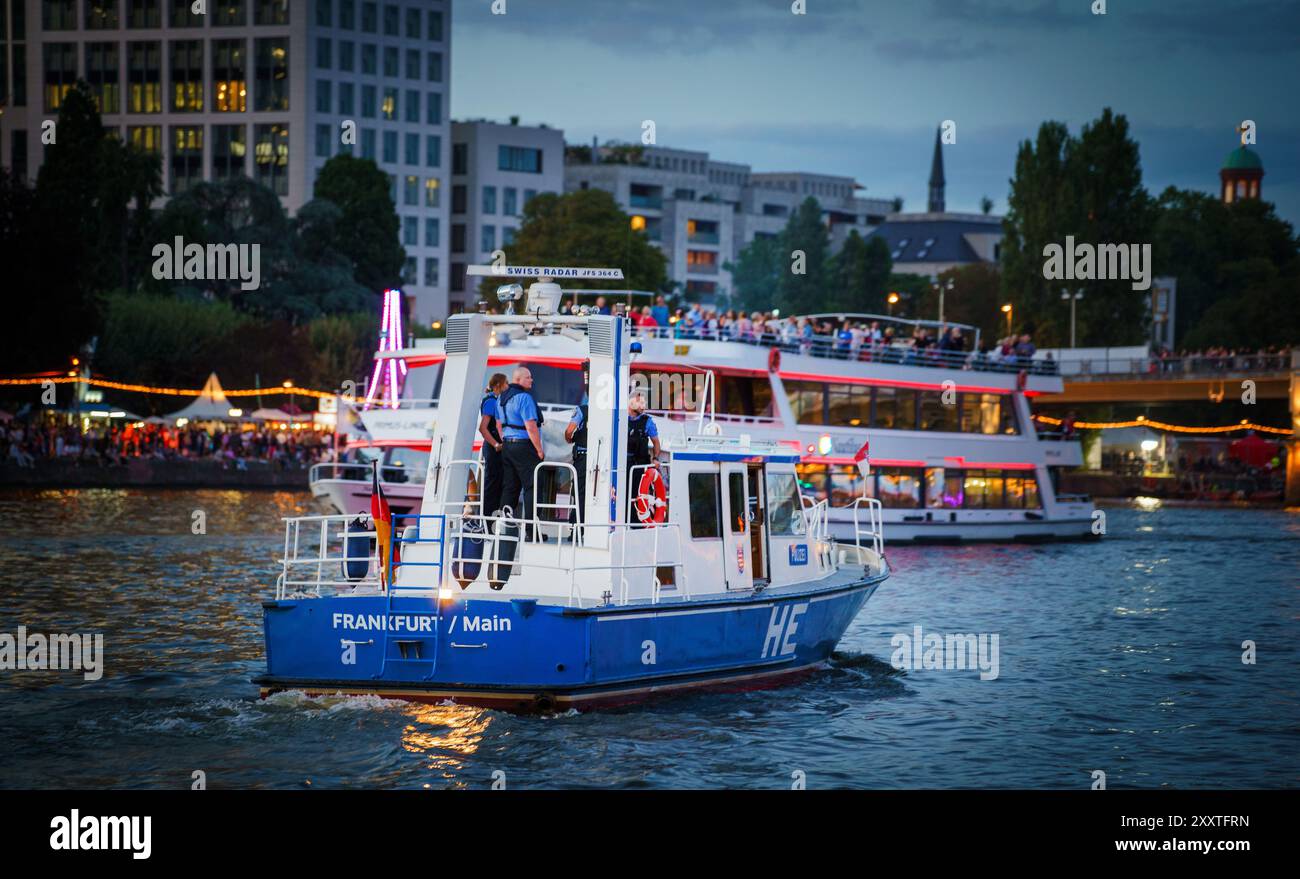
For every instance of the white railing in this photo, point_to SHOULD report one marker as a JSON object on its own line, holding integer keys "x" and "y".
{"x": 874, "y": 530}
{"x": 357, "y": 472}
{"x": 318, "y": 558}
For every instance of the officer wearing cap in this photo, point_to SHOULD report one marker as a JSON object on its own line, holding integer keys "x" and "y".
{"x": 642, "y": 444}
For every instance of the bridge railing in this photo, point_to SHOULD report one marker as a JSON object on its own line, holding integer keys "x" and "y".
{"x": 1190, "y": 366}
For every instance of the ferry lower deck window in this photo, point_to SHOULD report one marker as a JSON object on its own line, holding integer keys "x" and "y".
{"x": 706, "y": 518}
{"x": 900, "y": 487}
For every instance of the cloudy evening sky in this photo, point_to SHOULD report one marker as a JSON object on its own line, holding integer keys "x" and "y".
{"x": 857, "y": 87}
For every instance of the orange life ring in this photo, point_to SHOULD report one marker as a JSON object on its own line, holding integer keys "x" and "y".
{"x": 651, "y": 504}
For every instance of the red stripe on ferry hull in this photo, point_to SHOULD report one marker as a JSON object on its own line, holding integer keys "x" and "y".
{"x": 527, "y": 702}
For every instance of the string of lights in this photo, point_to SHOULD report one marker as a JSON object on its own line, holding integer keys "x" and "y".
{"x": 174, "y": 392}
{"x": 1143, "y": 421}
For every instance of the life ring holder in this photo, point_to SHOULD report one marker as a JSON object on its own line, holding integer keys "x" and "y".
{"x": 651, "y": 502}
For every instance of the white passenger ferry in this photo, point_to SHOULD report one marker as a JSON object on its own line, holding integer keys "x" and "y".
{"x": 956, "y": 455}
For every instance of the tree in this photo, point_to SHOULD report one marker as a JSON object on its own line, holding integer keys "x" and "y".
{"x": 583, "y": 228}
{"x": 1231, "y": 263}
{"x": 975, "y": 299}
{"x": 1089, "y": 187}
{"x": 804, "y": 245}
{"x": 756, "y": 273}
{"x": 859, "y": 274}
{"x": 372, "y": 242}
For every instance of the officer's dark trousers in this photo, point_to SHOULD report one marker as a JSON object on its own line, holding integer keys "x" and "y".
{"x": 580, "y": 496}
{"x": 493, "y": 473}
{"x": 517, "y": 482}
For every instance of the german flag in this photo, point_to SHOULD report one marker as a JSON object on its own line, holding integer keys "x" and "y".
{"x": 382, "y": 518}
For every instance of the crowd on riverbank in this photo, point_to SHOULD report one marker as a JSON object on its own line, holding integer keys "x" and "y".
{"x": 26, "y": 442}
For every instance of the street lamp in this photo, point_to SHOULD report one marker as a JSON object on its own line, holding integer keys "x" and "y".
{"x": 1006, "y": 309}
{"x": 892, "y": 301}
{"x": 1074, "y": 299}
{"x": 941, "y": 289}
{"x": 288, "y": 385}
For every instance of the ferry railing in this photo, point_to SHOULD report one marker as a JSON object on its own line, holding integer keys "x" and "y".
{"x": 496, "y": 525}
{"x": 310, "y": 571}
{"x": 362, "y": 472}
{"x": 834, "y": 348}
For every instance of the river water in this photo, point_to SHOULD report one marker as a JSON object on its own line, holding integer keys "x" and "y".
{"x": 1123, "y": 657}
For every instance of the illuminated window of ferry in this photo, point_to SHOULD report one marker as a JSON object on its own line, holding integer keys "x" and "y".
{"x": 813, "y": 479}
{"x": 1015, "y": 492}
{"x": 942, "y": 489}
{"x": 784, "y": 508}
{"x": 986, "y": 413}
{"x": 1032, "y": 500}
{"x": 847, "y": 484}
{"x": 937, "y": 415}
{"x": 807, "y": 399}
{"x": 895, "y": 409}
{"x": 744, "y": 395}
{"x": 900, "y": 487}
{"x": 705, "y": 513}
{"x": 848, "y": 405}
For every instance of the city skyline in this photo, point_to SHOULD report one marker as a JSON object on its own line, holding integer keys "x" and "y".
{"x": 1185, "y": 79}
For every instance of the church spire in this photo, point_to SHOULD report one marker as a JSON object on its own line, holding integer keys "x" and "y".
{"x": 936, "y": 176}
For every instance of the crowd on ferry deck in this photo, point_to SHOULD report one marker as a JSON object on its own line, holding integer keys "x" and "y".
{"x": 26, "y": 441}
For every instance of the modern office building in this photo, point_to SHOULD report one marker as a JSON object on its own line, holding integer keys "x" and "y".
{"x": 496, "y": 169}
{"x": 251, "y": 87}
{"x": 702, "y": 212}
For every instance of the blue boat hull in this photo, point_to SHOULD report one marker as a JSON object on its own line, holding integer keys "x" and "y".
{"x": 523, "y": 655}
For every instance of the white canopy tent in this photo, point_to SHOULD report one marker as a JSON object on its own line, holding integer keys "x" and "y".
{"x": 210, "y": 405}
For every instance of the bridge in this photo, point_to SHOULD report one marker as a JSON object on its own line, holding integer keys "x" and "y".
{"x": 1134, "y": 376}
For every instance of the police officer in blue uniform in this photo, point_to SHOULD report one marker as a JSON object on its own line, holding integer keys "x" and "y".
{"x": 521, "y": 430}
{"x": 493, "y": 445}
{"x": 576, "y": 433}
{"x": 642, "y": 446}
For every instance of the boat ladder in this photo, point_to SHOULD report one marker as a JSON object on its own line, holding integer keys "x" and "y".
{"x": 416, "y": 647}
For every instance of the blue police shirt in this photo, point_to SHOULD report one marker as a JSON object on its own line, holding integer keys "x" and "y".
{"x": 521, "y": 409}
{"x": 651, "y": 429}
{"x": 489, "y": 406}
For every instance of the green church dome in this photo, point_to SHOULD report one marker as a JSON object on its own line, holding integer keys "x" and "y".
{"x": 1242, "y": 158}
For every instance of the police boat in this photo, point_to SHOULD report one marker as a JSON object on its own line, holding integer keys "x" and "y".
{"x": 707, "y": 568}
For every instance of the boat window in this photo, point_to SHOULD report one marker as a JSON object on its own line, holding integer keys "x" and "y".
{"x": 702, "y": 489}
{"x": 784, "y": 508}
{"x": 942, "y": 489}
{"x": 895, "y": 408}
{"x": 737, "y": 505}
{"x": 849, "y": 405}
{"x": 938, "y": 415}
{"x": 900, "y": 487}
{"x": 744, "y": 395}
{"x": 807, "y": 401}
{"x": 551, "y": 384}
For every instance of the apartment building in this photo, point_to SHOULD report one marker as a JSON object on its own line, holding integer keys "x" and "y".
{"x": 496, "y": 169}
{"x": 703, "y": 212}
{"x": 260, "y": 88}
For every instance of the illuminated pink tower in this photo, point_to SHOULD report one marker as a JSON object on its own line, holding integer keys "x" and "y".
{"x": 386, "y": 381}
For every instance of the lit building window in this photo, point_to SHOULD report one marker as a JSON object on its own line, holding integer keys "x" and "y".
{"x": 272, "y": 64}
{"x": 271, "y": 157}
{"x": 186, "y": 158}
{"x": 60, "y": 72}
{"x": 187, "y": 76}
{"x": 229, "y": 147}
{"x": 101, "y": 74}
{"x": 229, "y": 76}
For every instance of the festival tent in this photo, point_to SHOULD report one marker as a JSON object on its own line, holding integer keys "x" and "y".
{"x": 1253, "y": 450}
{"x": 210, "y": 405}
{"x": 276, "y": 415}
